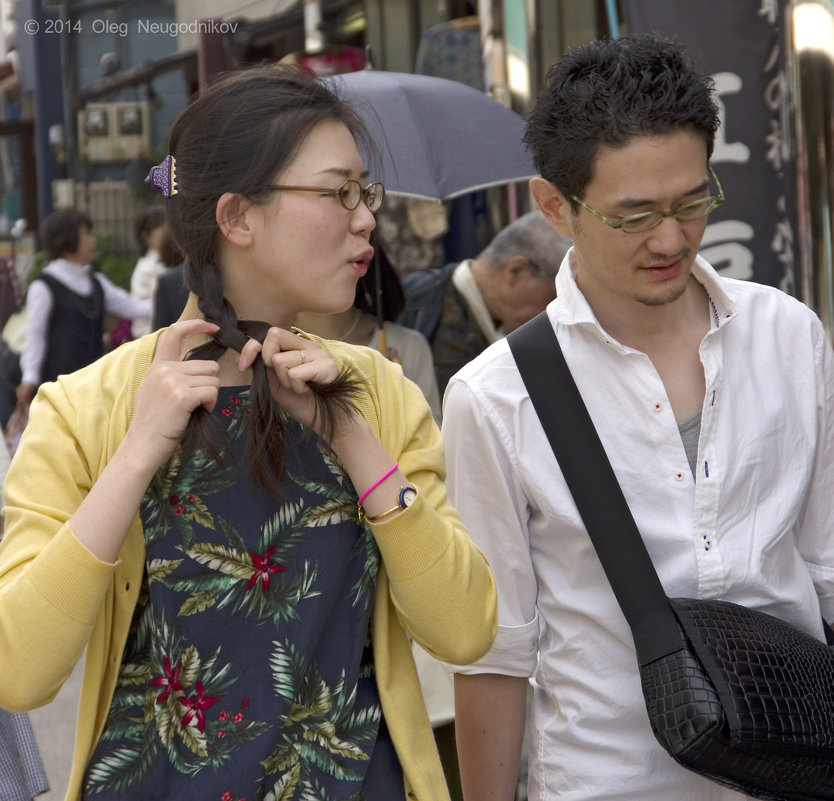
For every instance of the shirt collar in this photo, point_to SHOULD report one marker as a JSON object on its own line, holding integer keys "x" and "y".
{"x": 65, "y": 265}
{"x": 572, "y": 308}
{"x": 464, "y": 281}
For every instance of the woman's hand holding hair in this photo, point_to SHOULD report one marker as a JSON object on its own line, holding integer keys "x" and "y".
{"x": 170, "y": 391}
{"x": 293, "y": 362}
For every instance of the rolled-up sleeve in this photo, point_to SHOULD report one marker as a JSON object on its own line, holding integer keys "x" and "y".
{"x": 483, "y": 484}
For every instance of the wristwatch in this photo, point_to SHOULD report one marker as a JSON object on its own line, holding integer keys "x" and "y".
{"x": 407, "y": 496}
{"x": 404, "y": 500}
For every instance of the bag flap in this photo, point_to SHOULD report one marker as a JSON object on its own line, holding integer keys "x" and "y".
{"x": 776, "y": 683}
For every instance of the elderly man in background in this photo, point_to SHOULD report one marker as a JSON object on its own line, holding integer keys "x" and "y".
{"x": 462, "y": 308}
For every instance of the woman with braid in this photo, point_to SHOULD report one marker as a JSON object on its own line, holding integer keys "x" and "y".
{"x": 241, "y": 523}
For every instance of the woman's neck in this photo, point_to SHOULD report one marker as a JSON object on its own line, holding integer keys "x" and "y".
{"x": 353, "y": 325}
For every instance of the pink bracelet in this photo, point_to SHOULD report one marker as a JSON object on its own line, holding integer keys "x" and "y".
{"x": 370, "y": 489}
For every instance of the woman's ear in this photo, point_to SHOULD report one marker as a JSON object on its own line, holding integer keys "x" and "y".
{"x": 232, "y": 219}
{"x": 553, "y": 204}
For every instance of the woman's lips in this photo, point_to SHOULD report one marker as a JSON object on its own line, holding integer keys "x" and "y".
{"x": 360, "y": 263}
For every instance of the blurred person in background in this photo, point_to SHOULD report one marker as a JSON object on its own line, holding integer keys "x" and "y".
{"x": 66, "y": 304}
{"x": 462, "y": 308}
{"x": 150, "y": 229}
{"x": 170, "y": 294}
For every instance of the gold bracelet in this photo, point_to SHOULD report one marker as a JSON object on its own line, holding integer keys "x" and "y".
{"x": 363, "y": 515}
{"x": 381, "y": 515}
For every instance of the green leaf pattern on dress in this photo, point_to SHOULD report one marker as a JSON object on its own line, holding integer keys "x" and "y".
{"x": 190, "y": 711}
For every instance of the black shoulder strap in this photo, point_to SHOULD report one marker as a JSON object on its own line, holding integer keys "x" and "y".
{"x": 595, "y": 489}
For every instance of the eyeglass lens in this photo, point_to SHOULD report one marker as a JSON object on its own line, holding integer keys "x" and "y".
{"x": 374, "y": 195}
{"x": 351, "y": 193}
{"x": 689, "y": 211}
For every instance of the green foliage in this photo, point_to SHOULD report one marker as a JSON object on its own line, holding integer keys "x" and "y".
{"x": 39, "y": 261}
{"x": 113, "y": 259}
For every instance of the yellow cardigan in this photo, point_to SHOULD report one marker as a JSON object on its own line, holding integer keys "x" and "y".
{"x": 57, "y": 598}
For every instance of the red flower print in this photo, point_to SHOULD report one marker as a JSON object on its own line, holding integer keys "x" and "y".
{"x": 263, "y": 567}
{"x": 237, "y": 717}
{"x": 221, "y": 733}
{"x": 226, "y": 796}
{"x": 174, "y": 500}
{"x": 234, "y": 400}
{"x": 191, "y": 498}
{"x": 196, "y": 706}
{"x": 244, "y": 704}
{"x": 224, "y": 715}
{"x": 179, "y": 510}
{"x": 226, "y": 411}
{"x": 170, "y": 681}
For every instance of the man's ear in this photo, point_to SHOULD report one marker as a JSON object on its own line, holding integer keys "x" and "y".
{"x": 516, "y": 269}
{"x": 553, "y": 204}
{"x": 233, "y": 220}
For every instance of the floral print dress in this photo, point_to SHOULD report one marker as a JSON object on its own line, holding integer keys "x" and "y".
{"x": 248, "y": 671}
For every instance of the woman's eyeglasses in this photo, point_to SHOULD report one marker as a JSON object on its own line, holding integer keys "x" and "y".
{"x": 350, "y": 193}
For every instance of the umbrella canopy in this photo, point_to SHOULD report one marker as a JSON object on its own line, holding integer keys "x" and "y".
{"x": 436, "y": 138}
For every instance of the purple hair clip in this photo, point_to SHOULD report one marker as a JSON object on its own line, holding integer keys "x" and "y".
{"x": 163, "y": 178}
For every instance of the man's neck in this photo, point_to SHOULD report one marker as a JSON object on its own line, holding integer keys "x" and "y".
{"x": 643, "y": 326}
{"x": 671, "y": 338}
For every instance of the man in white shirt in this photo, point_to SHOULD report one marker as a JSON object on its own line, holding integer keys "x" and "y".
{"x": 66, "y": 303}
{"x": 714, "y": 400}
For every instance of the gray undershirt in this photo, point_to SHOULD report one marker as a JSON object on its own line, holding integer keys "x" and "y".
{"x": 690, "y": 433}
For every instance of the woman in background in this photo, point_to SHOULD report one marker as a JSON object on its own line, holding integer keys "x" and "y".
{"x": 150, "y": 229}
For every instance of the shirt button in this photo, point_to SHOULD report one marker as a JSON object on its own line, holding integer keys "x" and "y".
{"x": 678, "y": 476}
{"x": 658, "y": 407}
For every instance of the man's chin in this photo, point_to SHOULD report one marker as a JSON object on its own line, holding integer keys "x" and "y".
{"x": 663, "y": 296}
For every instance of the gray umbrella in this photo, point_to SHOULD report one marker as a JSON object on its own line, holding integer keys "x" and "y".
{"x": 436, "y": 138}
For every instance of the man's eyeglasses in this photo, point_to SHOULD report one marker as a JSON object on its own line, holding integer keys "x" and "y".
{"x": 350, "y": 193}
{"x": 646, "y": 220}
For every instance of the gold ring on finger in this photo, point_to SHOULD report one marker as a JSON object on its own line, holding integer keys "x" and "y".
{"x": 301, "y": 352}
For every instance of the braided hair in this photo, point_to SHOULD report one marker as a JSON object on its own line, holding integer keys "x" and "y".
{"x": 238, "y": 134}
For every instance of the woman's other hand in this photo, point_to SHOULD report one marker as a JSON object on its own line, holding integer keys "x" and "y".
{"x": 170, "y": 391}
{"x": 292, "y": 363}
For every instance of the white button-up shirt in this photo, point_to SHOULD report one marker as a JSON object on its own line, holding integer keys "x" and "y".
{"x": 755, "y": 526}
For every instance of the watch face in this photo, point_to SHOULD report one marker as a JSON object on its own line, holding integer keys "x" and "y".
{"x": 407, "y": 496}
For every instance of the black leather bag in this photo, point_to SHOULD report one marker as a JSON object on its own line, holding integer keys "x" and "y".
{"x": 736, "y": 695}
